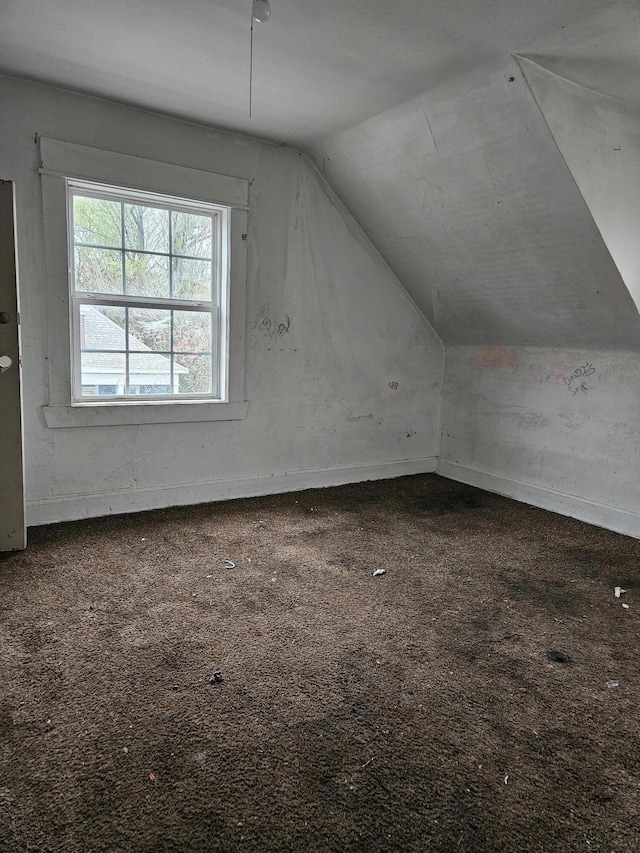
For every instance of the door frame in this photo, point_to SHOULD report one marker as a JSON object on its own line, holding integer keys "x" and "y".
{"x": 13, "y": 531}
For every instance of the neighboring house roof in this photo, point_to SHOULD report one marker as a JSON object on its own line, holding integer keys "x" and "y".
{"x": 101, "y": 333}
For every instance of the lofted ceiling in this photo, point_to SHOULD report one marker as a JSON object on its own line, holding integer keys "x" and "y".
{"x": 320, "y": 66}
{"x": 418, "y": 115}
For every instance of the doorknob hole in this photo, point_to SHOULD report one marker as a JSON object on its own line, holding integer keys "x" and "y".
{"x": 4, "y": 317}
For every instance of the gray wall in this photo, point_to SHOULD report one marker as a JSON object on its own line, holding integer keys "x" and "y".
{"x": 469, "y": 199}
{"x": 476, "y": 210}
{"x": 351, "y": 392}
{"x": 557, "y": 428}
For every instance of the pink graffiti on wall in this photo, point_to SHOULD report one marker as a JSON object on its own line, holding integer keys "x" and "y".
{"x": 549, "y": 373}
{"x": 498, "y": 356}
{"x": 555, "y": 375}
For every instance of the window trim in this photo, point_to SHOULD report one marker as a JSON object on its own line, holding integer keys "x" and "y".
{"x": 62, "y": 161}
{"x": 216, "y": 307}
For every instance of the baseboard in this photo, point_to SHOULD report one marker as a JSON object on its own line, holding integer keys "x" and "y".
{"x": 601, "y": 515}
{"x": 73, "y": 507}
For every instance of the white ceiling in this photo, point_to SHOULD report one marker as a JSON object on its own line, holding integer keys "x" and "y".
{"x": 320, "y": 66}
{"x": 418, "y": 116}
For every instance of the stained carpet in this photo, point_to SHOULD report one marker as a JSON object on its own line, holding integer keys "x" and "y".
{"x": 153, "y": 698}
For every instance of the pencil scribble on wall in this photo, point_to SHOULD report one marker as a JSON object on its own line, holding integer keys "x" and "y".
{"x": 268, "y": 325}
{"x": 572, "y": 382}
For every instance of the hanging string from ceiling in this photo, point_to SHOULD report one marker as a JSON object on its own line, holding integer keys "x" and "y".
{"x": 260, "y": 12}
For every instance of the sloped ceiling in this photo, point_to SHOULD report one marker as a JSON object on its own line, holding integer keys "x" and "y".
{"x": 416, "y": 113}
{"x": 468, "y": 197}
{"x": 476, "y": 211}
{"x": 599, "y": 138}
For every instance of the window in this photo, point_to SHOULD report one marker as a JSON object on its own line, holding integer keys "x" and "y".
{"x": 146, "y": 289}
{"x": 149, "y": 295}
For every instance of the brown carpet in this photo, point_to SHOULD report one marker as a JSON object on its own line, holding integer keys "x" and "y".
{"x": 413, "y": 711}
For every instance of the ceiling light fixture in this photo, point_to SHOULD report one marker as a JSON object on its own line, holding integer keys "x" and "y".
{"x": 260, "y": 12}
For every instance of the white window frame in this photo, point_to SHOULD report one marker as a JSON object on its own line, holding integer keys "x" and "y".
{"x": 216, "y": 307}
{"x": 62, "y": 162}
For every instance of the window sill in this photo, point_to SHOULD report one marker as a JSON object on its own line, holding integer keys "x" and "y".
{"x": 101, "y": 414}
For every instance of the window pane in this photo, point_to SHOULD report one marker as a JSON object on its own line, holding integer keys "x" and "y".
{"x": 144, "y": 253}
{"x": 146, "y": 228}
{"x": 192, "y": 279}
{"x": 147, "y": 275}
{"x": 191, "y": 234}
{"x": 101, "y": 327}
{"x": 191, "y": 332}
{"x": 97, "y": 221}
{"x": 192, "y": 374}
{"x": 106, "y": 370}
{"x": 98, "y": 270}
{"x": 149, "y": 329}
{"x": 149, "y": 373}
